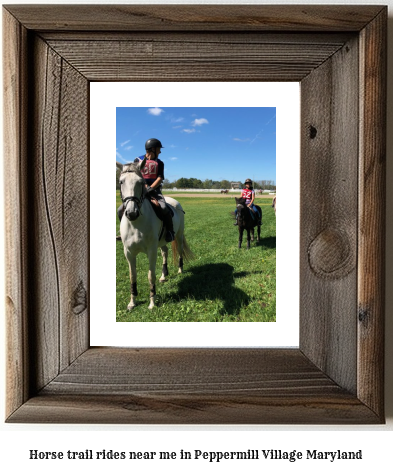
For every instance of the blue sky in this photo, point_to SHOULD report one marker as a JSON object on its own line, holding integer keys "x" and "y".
{"x": 217, "y": 143}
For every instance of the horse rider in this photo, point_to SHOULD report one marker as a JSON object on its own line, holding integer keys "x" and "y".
{"x": 153, "y": 174}
{"x": 248, "y": 194}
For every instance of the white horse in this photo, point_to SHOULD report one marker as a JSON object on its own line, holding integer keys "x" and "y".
{"x": 142, "y": 231}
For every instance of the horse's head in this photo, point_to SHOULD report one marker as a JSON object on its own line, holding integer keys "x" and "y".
{"x": 132, "y": 189}
{"x": 240, "y": 203}
{"x": 242, "y": 210}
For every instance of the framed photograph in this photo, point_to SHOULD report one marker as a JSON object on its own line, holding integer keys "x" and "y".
{"x": 52, "y": 55}
{"x": 244, "y": 128}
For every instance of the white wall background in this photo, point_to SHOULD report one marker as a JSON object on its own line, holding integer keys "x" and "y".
{"x": 375, "y": 441}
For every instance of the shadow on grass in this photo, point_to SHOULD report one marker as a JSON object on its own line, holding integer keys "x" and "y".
{"x": 245, "y": 274}
{"x": 267, "y": 242}
{"x": 210, "y": 282}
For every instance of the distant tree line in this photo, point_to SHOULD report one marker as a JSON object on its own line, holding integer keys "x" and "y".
{"x": 117, "y": 178}
{"x": 265, "y": 184}
{"x": 194, "y": 183}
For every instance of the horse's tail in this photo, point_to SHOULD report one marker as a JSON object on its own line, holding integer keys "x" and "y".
{"x": 187, "y": 252}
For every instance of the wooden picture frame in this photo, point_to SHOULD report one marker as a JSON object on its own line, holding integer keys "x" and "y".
{"x": 338, "y": 54}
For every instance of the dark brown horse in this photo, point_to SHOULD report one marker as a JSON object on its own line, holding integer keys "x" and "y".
{"x": 246, "y": 221}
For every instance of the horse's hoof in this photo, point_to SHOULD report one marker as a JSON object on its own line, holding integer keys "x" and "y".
{"x": 152, "y": 302}
{"x": 130, "y": 307}
{"x": 162, "y": 280}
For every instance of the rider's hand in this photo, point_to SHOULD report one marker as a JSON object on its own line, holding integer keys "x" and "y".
{"x": 149, "y": 190}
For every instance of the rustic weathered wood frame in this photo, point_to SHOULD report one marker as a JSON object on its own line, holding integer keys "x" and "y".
{"x": 338, "y": 54}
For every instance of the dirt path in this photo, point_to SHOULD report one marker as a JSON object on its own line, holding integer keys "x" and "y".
{"x": 176, "y": 195}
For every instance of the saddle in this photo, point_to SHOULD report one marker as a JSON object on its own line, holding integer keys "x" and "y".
{"x": 157, "y": 208}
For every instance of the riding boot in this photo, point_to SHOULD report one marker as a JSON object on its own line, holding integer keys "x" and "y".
{"x": 170, "y": 233}
{"x": 236, "y": 221}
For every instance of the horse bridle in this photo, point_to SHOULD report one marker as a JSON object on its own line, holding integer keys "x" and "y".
{"x": 138, "y": 200}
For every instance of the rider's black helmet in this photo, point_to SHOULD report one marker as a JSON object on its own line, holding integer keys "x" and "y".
{"x": 153, "y": 143}
{"x": 248, "y": 181}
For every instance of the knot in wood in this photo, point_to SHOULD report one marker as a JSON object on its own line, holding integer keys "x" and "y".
{"x": 330, "y": 254}
{"x": 313, "y": 132}
{"x": 363, "y": 315}
{"x": 80, "y": 299}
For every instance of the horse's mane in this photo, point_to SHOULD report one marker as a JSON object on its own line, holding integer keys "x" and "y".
{"x": 131, "y": 168}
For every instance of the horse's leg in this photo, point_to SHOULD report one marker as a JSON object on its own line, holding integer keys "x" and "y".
{"x": 258, "y": 233}
{"x": 134, "y": 291}
{"x": 248, "y": 238}
{"x": 152, "y": 256}
{"x": 165, "y": 273}
{"x": 240, "y": 236}
{"x": 180, "y": 247}
{"x": 252, "y": 234}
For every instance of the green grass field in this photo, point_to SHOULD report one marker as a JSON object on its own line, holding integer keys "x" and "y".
{"x": 222, "y": 283}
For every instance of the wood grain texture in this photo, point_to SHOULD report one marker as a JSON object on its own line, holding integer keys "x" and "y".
{"x": 201, "y": 37}
{"x": 372, "y": 198}
{"x": 192, "y": 17}
{"x": 182, "y": 59}
{"x": 193, "y": 386}
{"x": 328, "y": 254}
{"x": 14, "y": 73}
{"x": 59, "y": 177}
{"x": 336, "y": 375}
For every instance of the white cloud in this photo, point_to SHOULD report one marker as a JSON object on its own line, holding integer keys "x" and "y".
{"x": 199, "y": 122}
{"x": 173, "y": 158}
{"x": 241, "y": 139}
{"x": 125, "y": 143}
{"x": 129, "y": 147}
{"x": 189, "y": 130}
{"x": 155, "y": 111}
